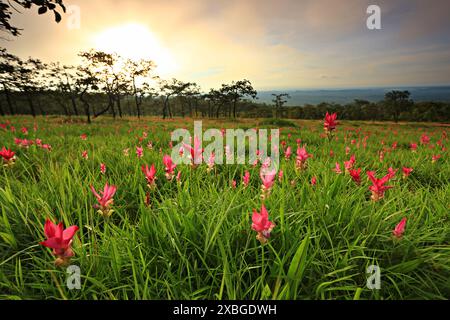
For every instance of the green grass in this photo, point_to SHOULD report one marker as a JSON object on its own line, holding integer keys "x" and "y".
{"x": 196, "y": 241}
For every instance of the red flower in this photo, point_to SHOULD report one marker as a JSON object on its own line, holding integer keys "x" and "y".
{"x": 262, "y": 225}
{"x": 378, "y": 185}
{"x": 330, "y": 122}
{"x": 105, "y": 200}
{"x": 59, "y": 240}
{"x": 406, "y": 172}
{"x": 399, "y": 229}
{"x": 356, "y": 175}
{"x": 170, "y": 167}
{"x": 8, "y": 156}
{"x": 149, "y": 175}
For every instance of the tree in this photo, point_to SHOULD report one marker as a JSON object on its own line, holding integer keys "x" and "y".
{"x": 30, "y": 78}
{"x": 170, "y": 89}
{"x": 279, "y": 100}
{"x": 236, "y": 91}
{"x": 397, "y": 101}
{"x": 6, "y": 10}
{"x": 9, "y": 64}
{"x": 62, "y": 79}
{"x": 139, "y": 70}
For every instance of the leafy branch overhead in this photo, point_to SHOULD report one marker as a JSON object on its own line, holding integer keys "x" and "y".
{"x": 44, "y": 6}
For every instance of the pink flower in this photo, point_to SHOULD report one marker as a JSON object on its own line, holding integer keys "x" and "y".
{"x": 85, "y": 155}
{"x": 246, "y": 179}
{"x": 149, "y": 175}
{"x": 83, "y": 136}
{"x": 105, "y": 200}
{"x": 435, "y": 158}
{"x": 280, "y": 176}
{"x": 268, "y": 179}
{"x": 330, "y": 122}
{"x": 170, "y": 167}
{"x": 413, "y": 147}
{"x": 424, "y": 139}
{"x": 302, "y": 156}
{"x": 103, "y": 168}
{"x": 288, "y": 153}
{"x": 47, "y": 147}
{"x": 349, "y": 164}
{"x": 378, "y": 185}
{"x": 139, "y": 152}
{"x": 347, "y": 151}
{"x": 313, "y": 181}
{"x": 24, "y": 131}
{"x": 233, "y": 184}
{"x": 356, "y": 175}
{"x": 179, "y": 177}
{"x": 262, "y": 225}
{"x": 337, "y": 168}
{"x": 399, "y": 229}
{"x": 195, "y": 152}
{"x": 60, "y": 241}
{"x": 406, "y": 171}
{"x": 211, "y": 162}
{"x": 8, "y": 157}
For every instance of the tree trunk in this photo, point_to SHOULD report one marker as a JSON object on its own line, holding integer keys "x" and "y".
{"x": 8, "y": 99}
{"x": 119, "y": 106}
{"x": 86, "y": 107}
{"x": 2, "y": 113}
{"x": 30, "y": 103}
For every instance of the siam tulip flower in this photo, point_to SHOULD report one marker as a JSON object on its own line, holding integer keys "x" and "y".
{"x": 330, "y": 123}
{"x": 299, "y": 141}
{"x": 24, "y": 130}
{"x": 195, "y": 152}
{"x": 211, "y": 162}
{"x": 394, "y": 146}
{"x": 337, "y": 168}
{"x": 47, "y": 147}
{"x": 313, "y": 181}
{"x": 60, "y": 241}
{"x": 126, "y": 152}
{"x": 170, "y": 144}
{"x": 381, "y": 155}
{"x": 105, "y": 200}
{"x": 262, "y": 225}
{"x": 150, "y": 175}
{"x": 349, "y": 164}
{"x": 39, "y": 142}
{"x": 233, "y": 184}
{"x": 424, "y": 139}
{"x": 268, "y": 179}
{"x": 413, "y": 147}
{"x": 435, "y": 158}
{"x": 406, "y": 172}
{"x": 392, "y": 172}
{"x": 399, "y": 229}
{"x": 83, "y": 137}
{"x": 170, "y": 167}
{"x": 280, "y": 176}
{"x": 8, "y": 157}
{"x": 139, "y": 152}
{"x": 347, "y": 151}
{"x": 246, "y": 179}
{"x": 181, "y": 151}
{"x": 102, "y": 168}
{"x": 378, "y": 185}
{"x": 178, "y": 178}
{"x": 302, "y": 157}
{"x": 85, "y": 155}
{"x": 331, "y": 153}
{"x": 356, "y": 175}
{"x": 150, "y": 145}
{"x": 288, "y": 153}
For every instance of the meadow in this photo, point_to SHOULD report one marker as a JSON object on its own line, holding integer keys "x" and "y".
{"x": 192, "y": 237}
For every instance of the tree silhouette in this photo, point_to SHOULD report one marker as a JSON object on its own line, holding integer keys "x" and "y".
{"x": 236, "y": 91}
{"x": 397, "y": 101}
{"x": 170, "y": 89}
{"x": 279, "y": 100}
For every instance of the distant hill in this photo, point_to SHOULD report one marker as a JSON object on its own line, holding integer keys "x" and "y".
{"x": 342, "y": 96}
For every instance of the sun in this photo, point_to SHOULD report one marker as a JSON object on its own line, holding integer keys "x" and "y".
{"x": 136, "y": 41}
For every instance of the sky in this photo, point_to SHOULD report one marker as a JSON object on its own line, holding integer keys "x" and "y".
{"x": 283, "y": 44}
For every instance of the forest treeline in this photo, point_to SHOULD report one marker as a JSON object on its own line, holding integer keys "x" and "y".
{"x": 107, "y": 84}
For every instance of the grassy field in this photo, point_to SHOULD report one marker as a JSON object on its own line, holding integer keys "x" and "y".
{"x": 195, "y": 239}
